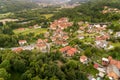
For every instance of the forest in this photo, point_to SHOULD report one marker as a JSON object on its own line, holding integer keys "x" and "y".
{"x": 91, "y": 11}
{"x": 16, "y": 5}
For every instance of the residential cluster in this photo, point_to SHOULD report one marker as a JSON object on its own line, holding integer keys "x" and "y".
{"x": 57, "y": 36}
{"x": 110, "y": 10}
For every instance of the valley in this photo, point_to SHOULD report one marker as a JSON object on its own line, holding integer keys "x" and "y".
{"x": 44, "y": 40}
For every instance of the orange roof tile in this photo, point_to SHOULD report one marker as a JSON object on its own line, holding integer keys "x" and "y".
{"x": 18, "y": 49}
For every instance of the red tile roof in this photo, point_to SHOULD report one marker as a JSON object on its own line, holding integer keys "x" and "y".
{"x": 70, "y": 53}
{"x": 65, "y": 49}
{"x": 17, "y": 50}
{"x": 69, "y": 50}
{"x": 103, "y": 37}
{"x": 39, "y": 41}
{"x": 21, "y": 28}
{"x": 61, "y": 23}
{"x": 21, "y": 41}
{"x": 83, "y": 58}
{"x": 41, "y": 45}
{"x": 114, "y": 62}
{"x": 96, "y": 66}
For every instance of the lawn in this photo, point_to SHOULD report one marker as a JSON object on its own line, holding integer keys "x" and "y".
{"x": 5, "y": 15}
{"x": 116, "y": 44}
{"x": 48, "y": 15}
{"x": 27, "y": 31}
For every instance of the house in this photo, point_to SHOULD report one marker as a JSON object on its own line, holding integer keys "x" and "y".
{"x": 101, "y": 43}
{"x": 114, "y": 62}
{"x": 53, "y": 38}
{"x": 68, "y": 51}
{"x": 41, "y": 47}
{"x": 22, "y": 42}
{"x": 83, "y": 59}
{"x": 103, "y": 37}
{"x": 64, "y": 43}
{"x": 17, "y": 50}
{"x": 117, "y": 34}
{"x": 65, "y": 37}
{"x": 96, "y": 65}
{"x": 80, "y": 31}
{"x": 47, "y": 34}
{"x": 39, "y": 41}
{"x": 110, "y": 31}
{"x": 61, "y": 23}
{"x": 112, "y": 68}
{"x": 65, "y": 49}
{"x": 71, "y": 52}
{"x": 80, "y": 23}
{"x": 101, "y": 69}
{"x": 97, "y": 25}
{"x": 28, "y": 48}
{"x": 36, "y": 26}
{"x": 105, "y": 61}
{"x": 80, "y": 37}
{"x": 113, "y": 72}
{"x": 59, "y": 37}
{"x": 90, "y": 77}
{"x": 82, "y": 28}
{"x": 53, "y": 27}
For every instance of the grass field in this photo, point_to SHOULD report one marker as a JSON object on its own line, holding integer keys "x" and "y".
{"x": 27, "y": 31}
{"x": 48, "y": 15}
{"x": 5, "y": 15}
{"x": 116, "y": 44}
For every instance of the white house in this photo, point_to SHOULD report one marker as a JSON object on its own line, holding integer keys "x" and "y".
{"x": 22, "y": 42}
{"x": 83, "y": 59}
{"x": 101, "y": 43}
{"x": 117, "y": 34}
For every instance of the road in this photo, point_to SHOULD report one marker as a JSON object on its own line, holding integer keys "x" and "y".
{"x": 28, "y": 47}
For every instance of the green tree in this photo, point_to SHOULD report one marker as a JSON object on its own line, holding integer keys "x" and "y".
{"x": 4, "y": 74}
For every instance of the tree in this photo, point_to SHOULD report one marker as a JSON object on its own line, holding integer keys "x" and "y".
{"x": 6, "y": 64}
{"x": 36, "y": 78}
{"x": 4, "y": 74}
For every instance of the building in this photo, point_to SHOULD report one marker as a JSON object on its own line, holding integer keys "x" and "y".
{"x": 61, "y": 23}
{"x": 17, "y": 50}
{"x": 83, "y": 59}
{"x": 22, "y": 42}
{"x": 68, "y": 51}
{"x": 42, "y": 45}
{"x": 101, "y": 43}
{"x": 112, "y": 68}
{"x": 117, "y": 34}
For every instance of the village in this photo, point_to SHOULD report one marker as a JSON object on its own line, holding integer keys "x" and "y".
{"x": 60, "y": 36}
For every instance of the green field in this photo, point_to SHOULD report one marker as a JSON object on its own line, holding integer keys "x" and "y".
{"x": 48, "y": 15}
{"x": 5, "y": 15}
{"x": 116, "y": 44}
{"x": 27, "y": 31}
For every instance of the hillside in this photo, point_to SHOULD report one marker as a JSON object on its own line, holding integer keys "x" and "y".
{"x": 74, "y": 1}
{"x": 51, "y": 1}
{"x": 91, "y": 11}
{"x": 15, "y": 5}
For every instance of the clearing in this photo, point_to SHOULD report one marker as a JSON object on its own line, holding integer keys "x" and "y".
{"x": 27, "y": 31}
{"x": 48, "y": 15}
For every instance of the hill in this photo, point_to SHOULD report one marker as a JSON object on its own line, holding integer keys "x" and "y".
{"x": 15, "y": 5}
{"x": 51, "y": 1}
{"x": 91, "y": 11}
{"x": 74, "y": 1}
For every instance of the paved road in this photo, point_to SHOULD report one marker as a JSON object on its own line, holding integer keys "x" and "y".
{"x": 28, "y": 47}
